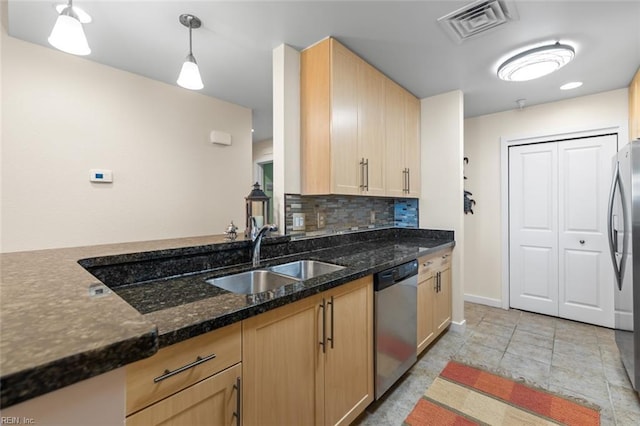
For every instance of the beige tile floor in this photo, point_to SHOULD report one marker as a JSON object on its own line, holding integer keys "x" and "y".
{"x": 565, "y": 357}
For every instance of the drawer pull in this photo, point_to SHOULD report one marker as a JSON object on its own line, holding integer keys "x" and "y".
{"x": 199, "y": 360}
{"x": 427, "y": 263}
{"x": 323, "y": 343}
{"x": 236, "y": 413}
{"x": 331, "y": 338}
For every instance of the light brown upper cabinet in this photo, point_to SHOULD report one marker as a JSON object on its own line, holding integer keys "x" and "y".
{"x": 634, "y": 107}
{"x": 371, "y": 128}
{"x": 348, "y": 129}
{"x": 402, "y": 142}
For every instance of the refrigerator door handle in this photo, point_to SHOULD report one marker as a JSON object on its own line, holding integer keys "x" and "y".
{"x": 619, "y": 270}
{"x": 626, "y": 232}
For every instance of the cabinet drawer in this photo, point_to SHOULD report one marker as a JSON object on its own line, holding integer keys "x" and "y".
{"x": 213, "y": 401}
{"x": 431, "y": 263}
{"x": 426, "y": 267}
{"x": 443, "y": 261}
{"x": 149, "y": 380}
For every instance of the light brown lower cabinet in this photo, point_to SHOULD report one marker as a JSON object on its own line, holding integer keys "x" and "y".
{"x": 310, "y": 362}
{"x": 213, "y": 401}
{"x": 434, "y": 296}
{"x": 193, "y": 382}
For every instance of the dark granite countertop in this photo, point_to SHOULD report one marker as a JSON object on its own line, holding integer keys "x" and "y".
{"x": 56, "y": 331}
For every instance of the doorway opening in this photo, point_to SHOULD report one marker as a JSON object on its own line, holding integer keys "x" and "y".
{"x": 267, "y": 185}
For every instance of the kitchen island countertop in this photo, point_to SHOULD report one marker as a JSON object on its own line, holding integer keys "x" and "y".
{"x": 60, "y": 324}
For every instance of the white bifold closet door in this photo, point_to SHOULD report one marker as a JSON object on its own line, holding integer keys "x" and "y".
{"x": 559, "y": 262}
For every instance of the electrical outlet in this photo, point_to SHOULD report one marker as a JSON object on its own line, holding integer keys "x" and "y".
{"x": 372, "y": 217}
{"x": 298, "y": 222}
{"x": 321, "y": 220}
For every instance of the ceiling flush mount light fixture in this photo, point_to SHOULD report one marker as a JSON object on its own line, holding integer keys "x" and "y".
{"x": 67, "y": 34}
{"x": 572, "y": 85}
{"x": 535, "y": 63}
{"x": 189, "y": 77}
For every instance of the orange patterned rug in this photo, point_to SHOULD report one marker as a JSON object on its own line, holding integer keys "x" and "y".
{"x": 464, "y": 395}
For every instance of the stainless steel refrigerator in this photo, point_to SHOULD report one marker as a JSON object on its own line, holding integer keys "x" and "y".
{"x": 624, "y": 241}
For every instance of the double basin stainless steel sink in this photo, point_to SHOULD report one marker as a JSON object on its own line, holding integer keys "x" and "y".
{"x": 257, "y": 281}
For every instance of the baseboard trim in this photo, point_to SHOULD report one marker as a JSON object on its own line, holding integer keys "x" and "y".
{"x": 458, "y": 327}
{"x": 481, "y": 300}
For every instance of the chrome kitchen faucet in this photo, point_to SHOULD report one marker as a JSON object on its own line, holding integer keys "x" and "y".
{"x": 256, "y": 238}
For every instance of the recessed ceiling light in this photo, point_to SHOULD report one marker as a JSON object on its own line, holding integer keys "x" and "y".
{"x": 572, "y": 85}
{"x": 83, "y": 16}
{"x": 535, "y": 63}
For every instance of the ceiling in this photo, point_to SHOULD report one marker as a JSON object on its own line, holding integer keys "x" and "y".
{"x": 402, "y": 39}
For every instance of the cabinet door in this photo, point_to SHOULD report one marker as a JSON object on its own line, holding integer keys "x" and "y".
{"x": 412, "y": 143}
{"x": 212, "y": 401}
{"x": 345, "y": 162}
{"x": 281, "y": 366}
{"x": 315, "y": 119}
{"x": 425, "y": 314}
{"x": 349, "y": 354}
{"x": 395, "y": 176}
{"x": 442, "y": 306}
{"x": 371, "y": 126}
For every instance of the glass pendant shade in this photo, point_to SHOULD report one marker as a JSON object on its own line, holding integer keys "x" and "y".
{"x": 189, "y": 77}
{"x": 536, "y": 63}
{"x": 68, "y": 35}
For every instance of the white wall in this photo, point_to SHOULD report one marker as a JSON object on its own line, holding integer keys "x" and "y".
{"x": 286, "y": 127}
{"x": 64, "y": 115}
{"x": 441, "y": 206}
{"x": 483, "y": 253}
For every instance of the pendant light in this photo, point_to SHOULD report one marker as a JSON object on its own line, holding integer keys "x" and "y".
{"x": 189, "y": 77}
{"x": 67, "y": 34}
{"x": 535, "y": 63}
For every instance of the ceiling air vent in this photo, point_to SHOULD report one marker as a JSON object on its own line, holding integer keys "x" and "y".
{"x": 478, "y": 17}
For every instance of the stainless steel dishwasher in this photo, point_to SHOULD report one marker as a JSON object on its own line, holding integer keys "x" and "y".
{"x": 395, "y": 325}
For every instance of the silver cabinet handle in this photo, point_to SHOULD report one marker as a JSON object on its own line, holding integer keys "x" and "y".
{"x": 366, "y": 165}
{"x": 237, "y": 413}
{"x": 362, "y": 174}
{"x": 427, "y": 263}
{"x": 331, "y": 329}
{"x": 199, "y": 360}
{"x": 408, "y": 180}
{"x": 404, "y": 180}
{"x": 323, "y": 343}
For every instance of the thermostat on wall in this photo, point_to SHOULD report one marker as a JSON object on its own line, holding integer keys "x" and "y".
{"x": 101, "y": 175}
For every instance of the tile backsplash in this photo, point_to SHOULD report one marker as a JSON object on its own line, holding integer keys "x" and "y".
{"x": 342, "y": 213}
